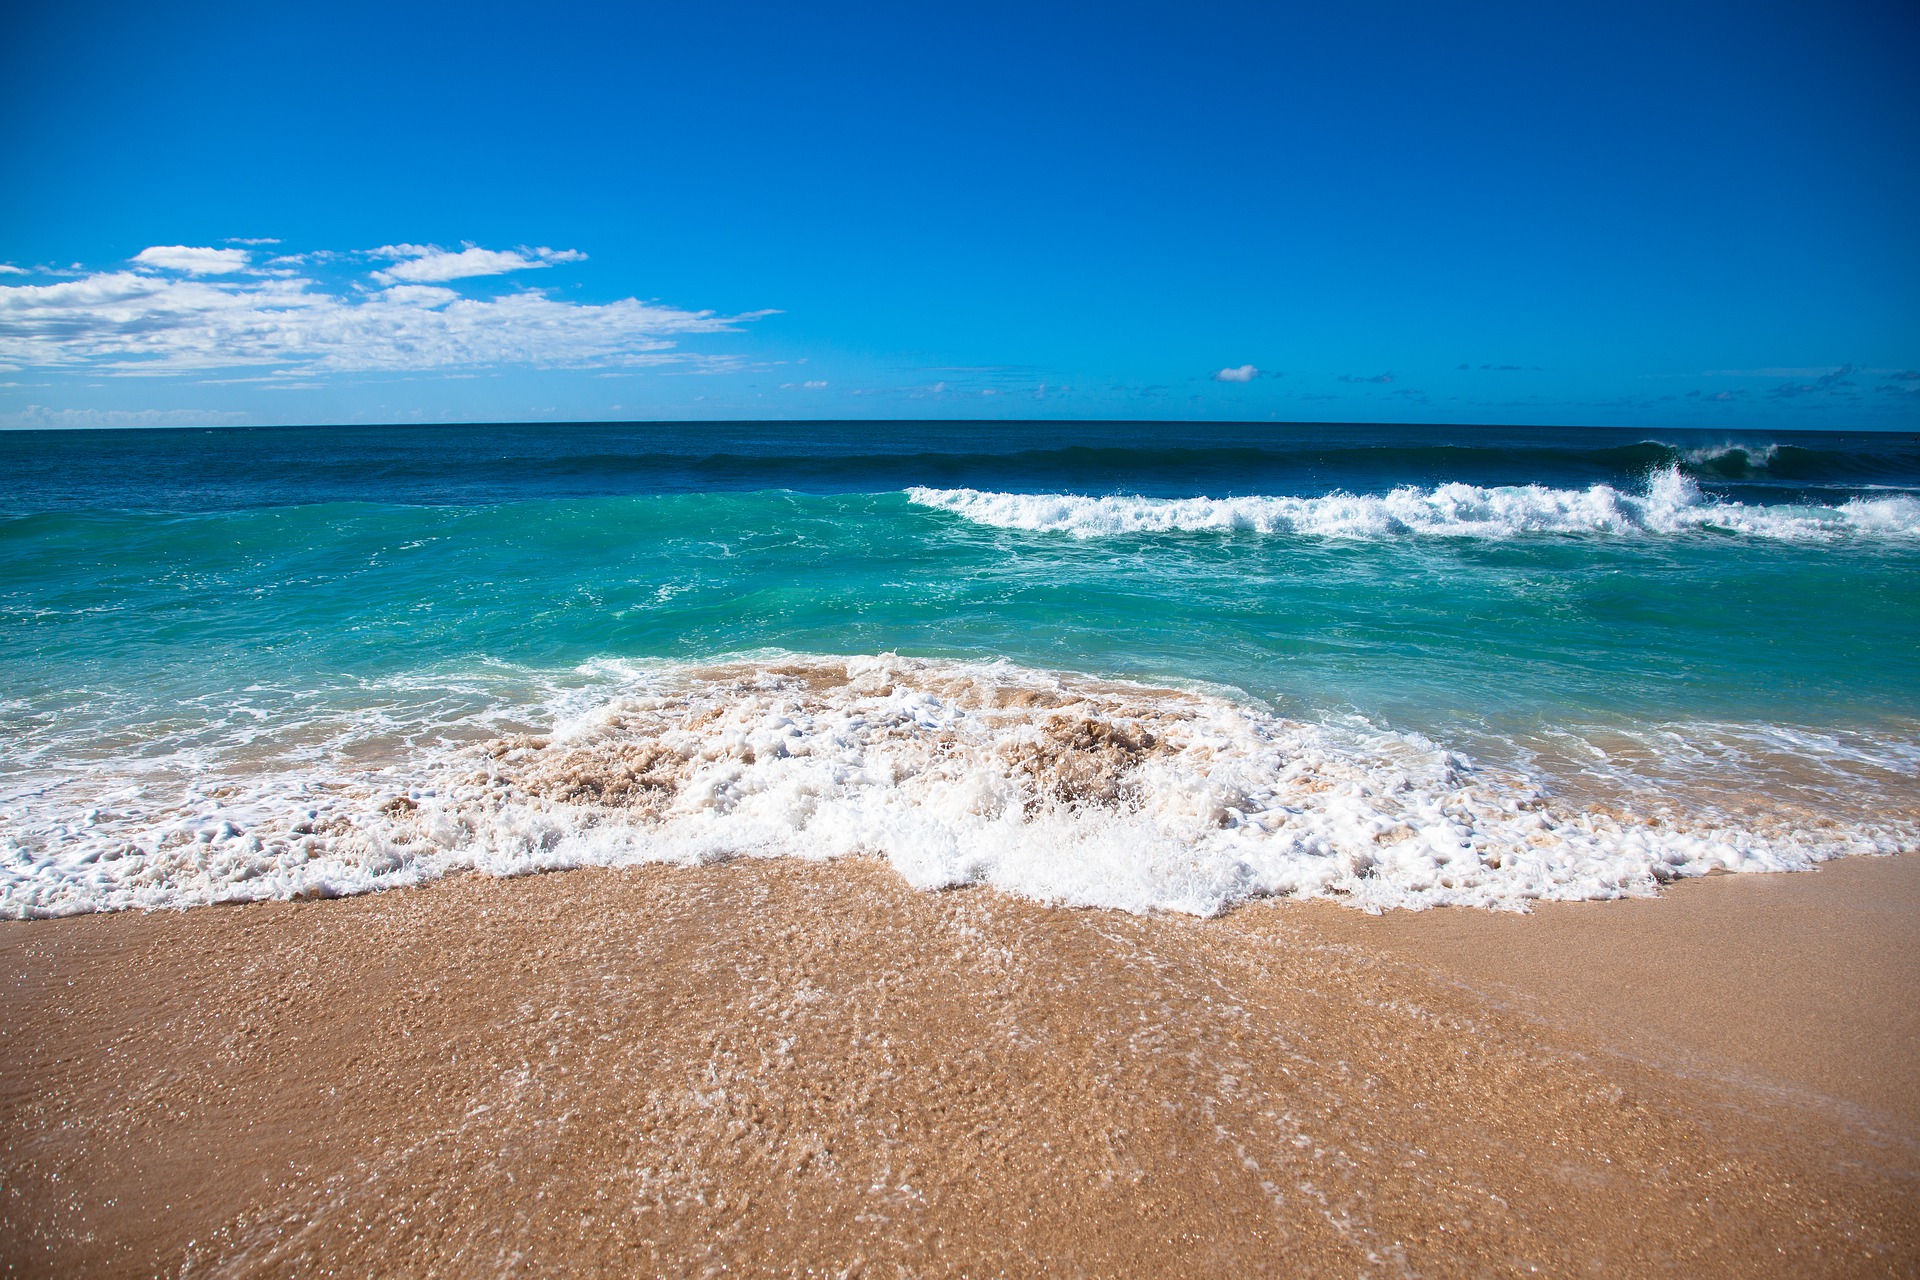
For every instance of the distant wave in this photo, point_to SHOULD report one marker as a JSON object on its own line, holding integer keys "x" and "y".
{"x": 1672, "y": 503}
{"x": 436, "y": 470}
{"x": 1734, "y": 461}
{"x": 1209, "y": 466}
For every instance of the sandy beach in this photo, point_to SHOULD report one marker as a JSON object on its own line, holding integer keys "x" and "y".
{"x": 786, "y": 1068}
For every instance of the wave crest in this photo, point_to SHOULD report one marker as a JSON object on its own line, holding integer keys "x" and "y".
{"x": 1732, "y": 461}
{"x": 1672, "y": 504}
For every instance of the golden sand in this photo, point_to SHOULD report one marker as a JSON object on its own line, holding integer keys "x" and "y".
{"x": 779, "y": 1068}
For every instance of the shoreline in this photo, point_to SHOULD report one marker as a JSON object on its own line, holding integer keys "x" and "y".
{"x": 799, "y": 1068}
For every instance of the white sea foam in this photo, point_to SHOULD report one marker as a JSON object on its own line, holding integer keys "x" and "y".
{"x": 1671, "y": 504}
{"x": 1060, "y": 788}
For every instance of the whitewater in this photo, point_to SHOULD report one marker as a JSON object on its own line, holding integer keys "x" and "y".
{"x": 1058, "y": 788}
{"x": 1672, "y": 503}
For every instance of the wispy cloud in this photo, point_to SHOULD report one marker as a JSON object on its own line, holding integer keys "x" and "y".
{"x": 1774, "y": 372}
{"x": 1238, "y": 373}
{"x": 36, "y": 415}
{"x": 1355, "y": 377}
{"x": 1831, "y": 381}
{"x": 8, "y": 269}
{"x": 170, "y": 319}
{"x": 429, "y": 264}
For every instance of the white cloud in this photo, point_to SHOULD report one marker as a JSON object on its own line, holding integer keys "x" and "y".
{"x": 8, "y": 269}
{"x": 1243, "y": 373}
{"x": 813, "y": 386}
{"x": 197, "y": 262}
{"x": 428, "y": 264}
{"x": 131, "y": 323}
{"x": 421, "y": 295}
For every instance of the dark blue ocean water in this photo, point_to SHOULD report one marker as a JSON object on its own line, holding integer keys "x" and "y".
{"x": 466, "y": 465}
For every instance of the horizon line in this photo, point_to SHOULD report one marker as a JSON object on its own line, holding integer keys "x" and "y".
{"x": 979, "y": 422}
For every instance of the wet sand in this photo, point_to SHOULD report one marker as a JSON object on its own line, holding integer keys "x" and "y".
{"x": 810, "y": 1069}
{"x": 1804, "y": 982}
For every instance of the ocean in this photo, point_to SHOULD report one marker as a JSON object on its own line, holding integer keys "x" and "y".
{"x": 1150, "y": 666}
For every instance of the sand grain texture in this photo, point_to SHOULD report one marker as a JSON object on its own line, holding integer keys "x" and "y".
{"x": 780, "y": 1068}
{"x": 1807, "y": 981}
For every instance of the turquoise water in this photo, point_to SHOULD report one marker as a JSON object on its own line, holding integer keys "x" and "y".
{"x": 1695, "y": 622}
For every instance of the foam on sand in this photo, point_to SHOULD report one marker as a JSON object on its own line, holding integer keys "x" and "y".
{"x": 1672, "y": 504}
{"x": 1059, "y": 788}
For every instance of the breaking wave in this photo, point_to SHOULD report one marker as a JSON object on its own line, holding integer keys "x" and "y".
{"x": 1672, "y": 503}
{"x": 1732, "y": 461}
{"x": 1060, "y": 788}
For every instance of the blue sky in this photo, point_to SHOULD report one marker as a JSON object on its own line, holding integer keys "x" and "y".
{"x": 1677, "y": 214}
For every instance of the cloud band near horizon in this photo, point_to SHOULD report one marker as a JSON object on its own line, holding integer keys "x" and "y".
{"x": 181, "y": 309}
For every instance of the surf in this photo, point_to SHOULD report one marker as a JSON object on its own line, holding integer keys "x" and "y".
{"x": 1671, "y": 503}
{"x": 1061, "y": 788}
